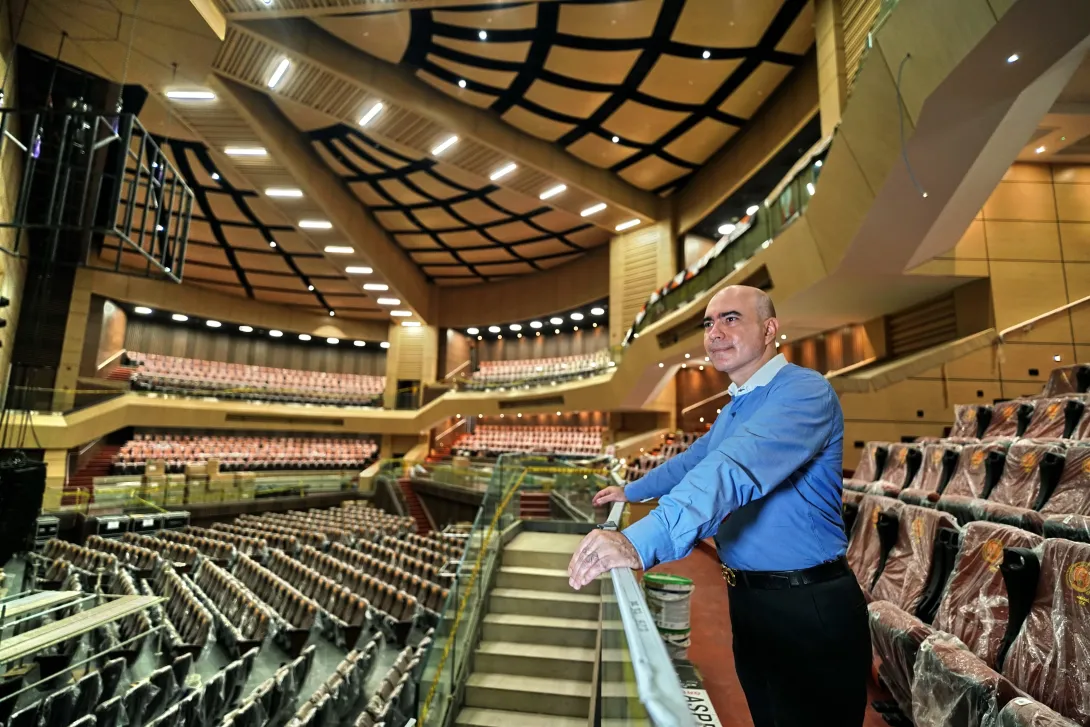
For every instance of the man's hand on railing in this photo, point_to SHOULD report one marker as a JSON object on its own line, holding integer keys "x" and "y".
{"x": 600, "y": 551}
{"x": 613, "y": 493}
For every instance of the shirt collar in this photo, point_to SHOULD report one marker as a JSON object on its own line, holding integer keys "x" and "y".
{"x": 761, "y": 377}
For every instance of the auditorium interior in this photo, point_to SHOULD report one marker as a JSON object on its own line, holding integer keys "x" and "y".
{"x": 323, "y": 321}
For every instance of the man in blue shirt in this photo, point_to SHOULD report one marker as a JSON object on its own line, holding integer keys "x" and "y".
{"x": 766, "y": 482}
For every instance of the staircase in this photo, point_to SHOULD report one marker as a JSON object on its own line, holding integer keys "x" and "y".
{"x": 416, "y": 508}
{"x": 535, "y": 663}
{"x": 121, "y": 373}
{"x": 534, "y": 506}
{"x": 84, "y": 478}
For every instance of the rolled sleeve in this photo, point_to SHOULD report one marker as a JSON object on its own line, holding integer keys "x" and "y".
{"x": 786, "y": 432}
{"x": 662, "y": 479}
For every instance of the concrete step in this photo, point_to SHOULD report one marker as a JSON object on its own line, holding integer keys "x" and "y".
{"x": 561, "y": 697}
{"x": 541, "y": 550}
{"x": 540, "y": 630}
{"x": 476, "y": 717}
{"x": 535, "y": 660}
{"x": 541, "y": 579}
{"x": 544, "y": 603}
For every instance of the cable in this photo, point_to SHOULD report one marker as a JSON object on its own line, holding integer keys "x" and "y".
{"x": 901, "y": 125}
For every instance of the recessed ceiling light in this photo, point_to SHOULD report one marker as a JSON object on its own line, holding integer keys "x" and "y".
{"x": 515, "y": 327}
{"x": 142, "y": 310}
{"x": 593, "y": 209}
{"x": 535, "y": 324}
{"x": 376, "y": 286}
{"x": 243, "y": 151}
{"x": 557, "y": 331}
{"x": 556, "y": 320}
{"x": 333, "y": 341}
{"x": 472, "y": 331}
{"x": 275, "y": 333}
{"x": 1013, "y": 58}
{"x": 284, "y": 192}
{"x": 783, "y": 336}
{"x": 246, "y": 329}
{"x": 615, "y": 139}
{"x": 281, "y": 69}
{"x": 810, "y": 188}
{"x": 310, "y": 288}
{"x": 332, "y": 313}
{"x": 753, "y": 209}
{"x": 389, "y": 301}
{"x": 726, "y": 229}
{"x": 483, "y": 35}
{"x": 461, "y": 83}
{"x": 215, "y": 176}
{"x": 401, "y": 313}
{"x": 444, "y": 145}
{"x": 159, "y": 228}
{"x": 339, "y": 249}
{"x": 360, "y": 344}
{"x": 358, "y": 270}
{"x": 597, "y": 311}
{"x": 410, "y": 324}
{"x": 494, "y": 329}
{"x": 384, "y": 344}
{"x": 1039, "y": 150}
{"x": 180, "y": 317}
{"x": 503, "y": 171}
{"x": 190, "y": 95}
{"x": 818, "y": 163}
{"x": 552, "y": 191}
{"x": 1057, "y": 358}
{"x": 316, "y": 224}
{"x": 304, "y": 336}
{"x": 272, "y": 243}
{"x": 480, "y": 338}
{"x": 576, "y": 316}
{"x": 706, "y": 55}
{"x": 627, "y": 224}
{"x": 213, "y": 324}
{"x": 372, "y": 112}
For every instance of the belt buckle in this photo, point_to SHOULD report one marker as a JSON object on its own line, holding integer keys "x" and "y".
{"x": 729, "y": 575}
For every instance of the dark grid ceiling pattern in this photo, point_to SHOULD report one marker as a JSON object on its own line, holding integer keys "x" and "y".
{"x": 228, "y": 249}
{"x": 457, "y": 231}
{"x": 671, "y": 80}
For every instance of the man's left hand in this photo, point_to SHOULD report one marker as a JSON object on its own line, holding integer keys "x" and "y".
{"x": 600, "y": 551}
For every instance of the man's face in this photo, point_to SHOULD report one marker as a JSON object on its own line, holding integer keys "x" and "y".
{"x": 734, "y": 334}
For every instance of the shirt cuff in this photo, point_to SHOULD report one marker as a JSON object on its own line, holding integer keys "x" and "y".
{"x": 647, "y": 537}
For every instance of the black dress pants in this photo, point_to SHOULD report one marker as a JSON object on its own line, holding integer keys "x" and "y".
{"x": 803, "y": 654}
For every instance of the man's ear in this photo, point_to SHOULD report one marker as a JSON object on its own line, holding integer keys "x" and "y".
{"x": 772, "y": 328}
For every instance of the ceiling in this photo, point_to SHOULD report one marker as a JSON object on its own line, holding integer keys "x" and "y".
{"x": 619, "y": 101}
{"x": 1063, "y": 135}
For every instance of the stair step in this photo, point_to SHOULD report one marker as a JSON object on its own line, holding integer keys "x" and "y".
{"x": 563, "y": 697}
{"x": 546, "y": 630}
{"x": 544, "y": 603}
{"x": 535, "y": 660}
{"x": 541, "y": 579}
{"x": 477, "y": 717}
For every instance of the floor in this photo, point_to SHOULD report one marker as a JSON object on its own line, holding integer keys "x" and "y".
{"x": 711, "y": 651}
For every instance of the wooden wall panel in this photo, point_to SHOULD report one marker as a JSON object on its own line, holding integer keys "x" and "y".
{"x": 456, "y": 350}
{"x": 151, "y": 337}
{"x": 547, "y": 345}
{"x": 640, "y": 262}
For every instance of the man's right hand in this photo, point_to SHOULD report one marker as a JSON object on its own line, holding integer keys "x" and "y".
{"x": 613, "y": 493}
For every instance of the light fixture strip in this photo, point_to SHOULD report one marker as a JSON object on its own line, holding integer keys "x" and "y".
{"x": 278, "y": 74}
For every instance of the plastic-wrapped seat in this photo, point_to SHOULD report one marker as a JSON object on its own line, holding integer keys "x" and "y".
{"x": 233, "y": 683}
{"x": 953, "y": 688}
{"x": 89, "y": 690}
{"x": 59, "y": 707}
{"x": 136, "y": 700}
{"x": 967, "y": 420}
{"x": 88, "y": 720}
{"x": 1069, "y": 527}
{"x": 902, "y": 464}
{"x": 109, "y": 712}
{"x": 1009, "y": 419}
{"x": 1054, "y": 418}
{"x": 1067, "y": 380}
{"x": 871, "y": 462}
{"x": 1071, "y": 493}
{"x": 1026, "y": 712}
{"x": 865, "y": 545}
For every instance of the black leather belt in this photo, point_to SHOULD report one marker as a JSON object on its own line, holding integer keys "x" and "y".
{"x": 775, "y": 580}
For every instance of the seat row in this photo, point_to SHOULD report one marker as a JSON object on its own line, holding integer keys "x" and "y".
{"x": 492, "y": 439}
{"x": 255, "y": 547}
{"x": 436, "y": 542}
{"x": 273, "y": 700}
{"x": 208, "y": 703}
{"x": 644, "y": 463}
{"x": 393, "y": 524}
{"x": 1073, "y": 379}
{"x": 334, "y": 524}
{"x": 394, "y": 697}
{"x": 169, "y": 550}
{"x": 87, "y": 559}
{"x": 1019, "y": 482}
{"x": 274, "y": 527}
{"x": 298, "y": 611}
{"x": 280, "y": 541}
{"x": 220, "y": 551}
{"x": 244, "y": 453}
{"x": 557, "y": 368}
{"x": 1058, "y": 417}
{"x": 188, "y": 624}
{"x": 968, "y": 621}
{"x": 241, "y": 619}
{"x": 143, "y": 561}
{"x": 155, "y": 371}
{"x": 379, "y": 556}
{"x": 341, "y": 566}
{"x": 388, "y": 547}
{"x": 339, "y": 694}
{"x": 345, "y": 612}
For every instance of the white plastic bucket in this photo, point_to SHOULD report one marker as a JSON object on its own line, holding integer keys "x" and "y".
{"x": 668, "y": 599}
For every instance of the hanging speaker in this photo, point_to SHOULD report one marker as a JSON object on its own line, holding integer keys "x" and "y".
{"x": 22, "y": 486}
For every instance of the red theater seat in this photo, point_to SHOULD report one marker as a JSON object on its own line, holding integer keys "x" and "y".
{"x": 865, "y": 545}
{"x": 871, "y": 462}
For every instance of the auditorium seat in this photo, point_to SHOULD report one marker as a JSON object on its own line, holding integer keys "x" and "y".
{"x": 244, "y": 453}
{"x": 871, "y": 463}
{"x": 938, "y": 461}
{"x": 217, "y": 550}
{"x": 536, "y": 371}
{"x": 1008, "y": 419}
{"x": 902, "y": 464}
{"x": 1068, "y": 380}
{"x": 1055, "y": 418}
{"x": 865, "y": 545}
{"x": 491, "y": 440}
{"x": 673, "y": 445}
{"x": 175, "y": 375}
{"x": 967, "y": 420}
{"x": 1071, "y": 494}
{"x": 1026, "y": 712}
{"x": 1069, "y": 527}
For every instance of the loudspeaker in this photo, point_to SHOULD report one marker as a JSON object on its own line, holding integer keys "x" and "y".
{"x": 22, "y": 486}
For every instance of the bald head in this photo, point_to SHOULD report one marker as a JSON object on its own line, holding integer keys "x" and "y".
{"x": 740, "y": 328}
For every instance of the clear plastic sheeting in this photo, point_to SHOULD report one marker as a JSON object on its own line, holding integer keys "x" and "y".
{"x": 951, "y": 687}
{"x": 898, "y": 459}
{"x": 865, "y": 548}
{"x": 1025, "y": 712}
{"x": 1072, "y": 493}
{"x": 1050, "y": 657}
{"x": 1064, "y": 380}
{"x": 908, "y": 567}
{"x": 1070, "y": 527}
{"x": 974, "y": 607}
{"x": 896, "y": 637}
{"x": 868, "y": 470}
{"x": 1004, "y": 421}
{"x": 966, "y": 421}
{"x": 1020, "y": 484}
{"x": 1049, "y": 419}
{"x": 970, "y": 476}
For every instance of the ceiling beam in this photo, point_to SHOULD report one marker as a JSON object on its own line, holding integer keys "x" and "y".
{"x": 258, "y": 10}
{"x": 212, "y": 15}
{"x": 348, "y": 215}
{"x": 398, "y": 86}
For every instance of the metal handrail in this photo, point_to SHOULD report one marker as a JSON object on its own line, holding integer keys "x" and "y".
{"x": 656, "y": 680}
{"x": 1026, "y": 325}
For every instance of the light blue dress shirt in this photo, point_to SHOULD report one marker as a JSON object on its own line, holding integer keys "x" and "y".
{"x": 765, "y": 480}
